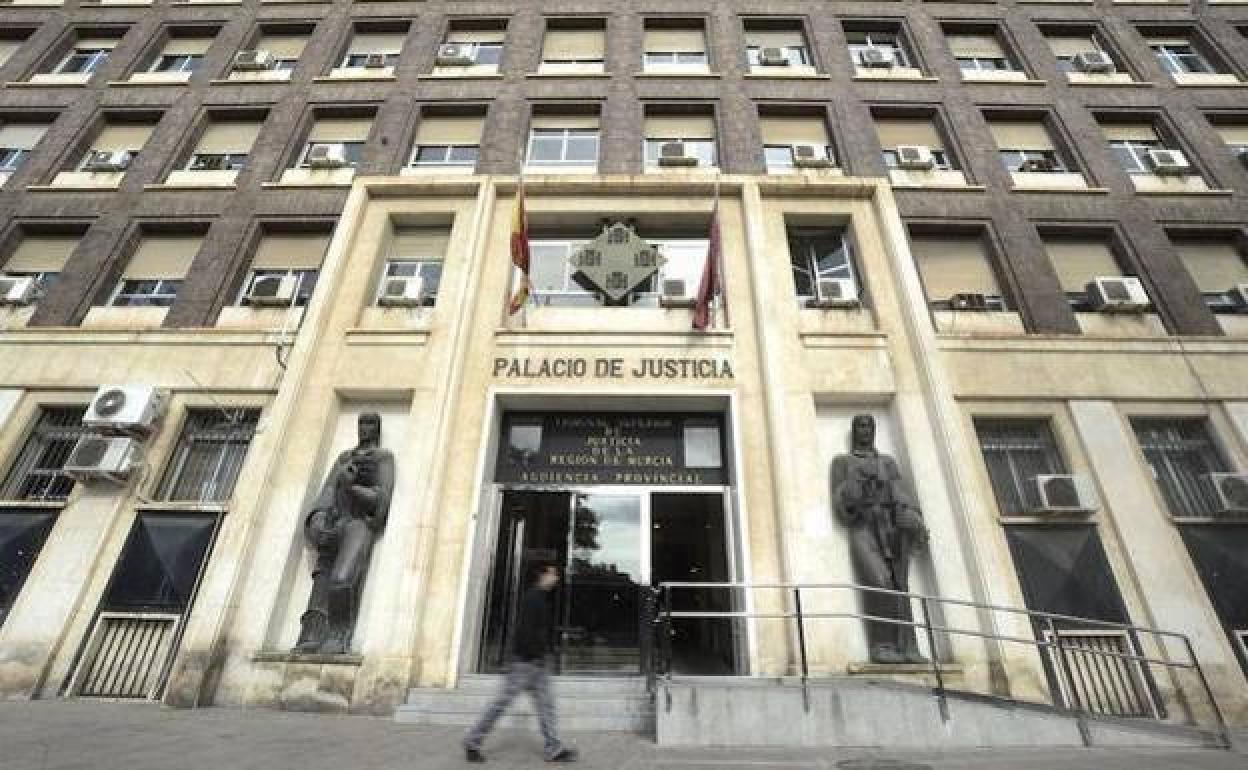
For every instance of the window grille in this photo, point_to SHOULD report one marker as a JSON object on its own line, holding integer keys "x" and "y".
{"x": 37, "y": 473}
{"x": 209, "y": 455}
{"x": 1016, "y": 451}
{"x": 1180, "y": 453}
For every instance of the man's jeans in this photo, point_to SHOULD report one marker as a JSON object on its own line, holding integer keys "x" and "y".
{"x": 521, "y": 675}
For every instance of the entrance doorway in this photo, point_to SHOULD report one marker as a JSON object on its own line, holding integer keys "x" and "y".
{"x": 611, "y": 544}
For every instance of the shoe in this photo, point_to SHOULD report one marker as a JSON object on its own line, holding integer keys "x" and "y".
{"x": 473, "y": 755}
{"x": 563, "y": 755}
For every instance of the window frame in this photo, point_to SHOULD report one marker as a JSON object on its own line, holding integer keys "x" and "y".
{"x": 12, "y": 158}
{"x": 891, "y": 41}
{"x": 1044, "y": 441}
{"x": 163, "y": 293}
{"x": 450, "y": 149}
{"x": 303, "y": 288}
{"x": 428, "y": 299}
{"x": 41, "y": 439}
{"x": 183, "y": 446}
{"x": 94, "y": 57}
{"x": 353, "y": 153}
{"x": 564, "y": 135}
{"x": 1174, "y": 61}
{"x": 811, "y": 270}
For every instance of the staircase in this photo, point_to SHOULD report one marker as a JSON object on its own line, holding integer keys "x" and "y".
{"x": 604, "y": 704}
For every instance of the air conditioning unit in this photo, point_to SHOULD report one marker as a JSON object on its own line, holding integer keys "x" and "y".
{"x": 1231, "y": 490}
{"x": 915, "y": 157}
{"x": 327, "y": 156}
{"x": 968, "y": 301}
{"x": 107, "y": 160}
{"x": 253, "y": 60}
{"x": 835, "y": 292}
{"x": 375, "y": 61}
{"x": 402, "y": 291}
{"x": 272, "y": 290}
{"x": 882, "y": 58}
{"x": 1037, "y": 165}
{"x": 1169, "y": 162}
{"x": 1243, "y": 156}
{"x": 454, "y": 55}
{"x": 107, "y": 457}
{"x": 810, "y": 156}
{"x": 208, "y": 163}
{"x": 1117, "y": 294}
{"x": 1064, "y": 493}
{"x": 17, "y": 289}
{"x": 125, "y": 408}
{"x": 674, "y": 293}
{"x": 673, "y": 154}
{"x": 1094, "y": 62}
{"x": 773, "y": 57}
{"x": 1239, "y": 297}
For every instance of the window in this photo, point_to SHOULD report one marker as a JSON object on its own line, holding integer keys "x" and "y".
{"x": 388, "y": 45}
{"x": 182, "y": 62}
{"x": 181, "y": 54}
{"x": 347, "y": 135}
{"x": 209, "y": 455}
{"x": 952, "y": 263}
{"x": 1015, "y": 452}
{"x": 154, "y": 274}
{"x": 11, "y": 41}
{"x": 1235, "y": 135}
{"x": 281, "y": 255}
{"x": 351, "y": 152}
{"x": 1217, "y": 265}
{"x": 85, "y": 57}
{"x": 694, "y": 133}
{"x": 1177, "y": 56}
{"x": 416, "y": 252}
{"x": 42, "y": 256}
{"x": 862, "y": 41}
{"x": 1079, "y": 259}
{"x": 574, "y": 46}
{"x": 475, "y": 46}
{"x": 897, "y": 132}
{"x": 783, "y": 134}
{"x": 1180, "y": 452}
{"x": 284, "y": 44}
{"x": 160, "y": 563}
{"x": 1068, "y": 43}
{"x": 448, "y": 140}
{"x": 570, "y": 140}
{"x": 552, "y": 276}
{"x": 979, "y": 52}
{"x": 22, "y": 535}
{"x": 816, "y": 254}
{"x": 16, "y": 142}
{"x": 224, "y": 146}
{"x": 785, "y": 39}
{"x": 122, "y": 140}
{"x": 37, "y": 473}
{"x": 1026, "y": 147}
{"x": 1131, "y": 144}
{"x": 674, "y": 44}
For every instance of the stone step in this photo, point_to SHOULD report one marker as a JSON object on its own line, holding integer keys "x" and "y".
{"x": 564, "y": 685}
{"x": 473, "y": 703}
{"x": 567, "y": 722}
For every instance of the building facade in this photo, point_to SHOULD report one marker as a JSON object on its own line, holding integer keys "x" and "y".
{"x": 1012, "y": 232}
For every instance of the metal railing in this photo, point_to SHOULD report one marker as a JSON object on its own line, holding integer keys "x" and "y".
{"x": 1070, "y": 691}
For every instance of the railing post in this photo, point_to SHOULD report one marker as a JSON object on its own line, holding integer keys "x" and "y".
{"x": 649, "y": 629}
{"x": 667, "y": 646}
{"x": 935, "y": 660}
{"x": 801, "y": 646}
{"x": 1068, "y": 676}
{"x": 1223, "y": 730}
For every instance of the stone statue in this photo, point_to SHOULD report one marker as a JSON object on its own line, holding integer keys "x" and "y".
{"x": 341, "y": 525}
{"x": 885, "y": 530}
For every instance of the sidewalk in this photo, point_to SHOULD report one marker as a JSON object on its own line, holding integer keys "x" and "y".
{"x": 59, "y": 735}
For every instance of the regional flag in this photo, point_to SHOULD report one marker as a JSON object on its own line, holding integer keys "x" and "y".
{"x": 520, "y": 252}
{"x": 709, "y": 286}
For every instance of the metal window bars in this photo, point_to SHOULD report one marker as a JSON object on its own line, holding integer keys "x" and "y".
{"x": 37, "y": 473}
{"x": 1085, "y": 664}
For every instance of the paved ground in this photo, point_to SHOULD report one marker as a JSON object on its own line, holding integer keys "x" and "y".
{"x": 60, "y": 735}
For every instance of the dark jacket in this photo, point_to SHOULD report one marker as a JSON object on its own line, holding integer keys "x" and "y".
{"x": 532, "y": 637}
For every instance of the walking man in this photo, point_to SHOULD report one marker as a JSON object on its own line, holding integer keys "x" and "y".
{"x": 527, "y": 671}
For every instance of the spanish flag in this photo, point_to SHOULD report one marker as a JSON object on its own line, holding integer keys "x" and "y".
{"x": 520, "y": 252}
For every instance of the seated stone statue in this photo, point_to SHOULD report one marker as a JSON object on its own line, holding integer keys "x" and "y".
{"x": 344, "y": 520}
{"x": 885, "y": 530}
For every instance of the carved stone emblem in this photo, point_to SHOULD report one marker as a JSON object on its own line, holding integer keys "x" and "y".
{"x": 616, "y": 263}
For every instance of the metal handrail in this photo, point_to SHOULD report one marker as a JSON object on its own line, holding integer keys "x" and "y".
{"x": 662, "y": 614}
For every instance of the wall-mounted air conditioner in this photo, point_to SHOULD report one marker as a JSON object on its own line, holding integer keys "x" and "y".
{"x": 1064, "y": 493}
{"x": 125, "y": 408}
{"x": 1117, "y": 294}
{"x": 103, "y": 457}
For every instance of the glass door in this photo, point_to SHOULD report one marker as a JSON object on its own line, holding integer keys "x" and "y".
{"x": 599, "y": 629}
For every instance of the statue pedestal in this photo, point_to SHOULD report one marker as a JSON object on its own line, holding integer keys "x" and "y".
{"x": 312, "y": 682}
{"x": 909, "y": 673}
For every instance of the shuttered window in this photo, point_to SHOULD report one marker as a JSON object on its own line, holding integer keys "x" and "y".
{"x": 574, "y": 45}
{"x": 1079, "y": 260}
{"x": 689, "y": 39}
{"x": 37, "y": 472}
{"x": 982, "y": 45}
{"x": 187, "y": 46}
{"x": 290, "y": 251}
{"x": 419, "y": 243}
{"x": 895, "y": 132}
{"x": 385, "y": 43}
{"x": 1021, "y": 135}
{"x": 954, "y": 264}
{"x": 476, "y": 36}
{"x": 163, "y": 256}
{"x": 1216, "y": 265}
{"x": 38, "y": 253}
{"x": 340, "y": 130}
{"x": 446, "y": 129}
{"x": 790, "y": 130}
{"x": 1236, "y": 136}
{"x": 8, "y": 47}
{"x": 283, "y": 47}
{"x": 21, "y": 136}
{"x": 1068, "y": 46}
{"x": 228, "y": 138}
{"x": 119, "y": 137}
{"x": 209, "y": 456}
